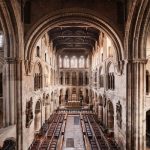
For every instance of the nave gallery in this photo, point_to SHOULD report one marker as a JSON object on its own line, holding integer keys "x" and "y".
{"x": 74, "y": 74}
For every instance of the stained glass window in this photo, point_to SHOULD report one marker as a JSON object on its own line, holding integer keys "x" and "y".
{"x": 1, "y": 40}
{"x": 60, "y": 62}
{"x": 81, "y": 62}
{"x": 74, "y": 63}
{"x": 66, "y": 62}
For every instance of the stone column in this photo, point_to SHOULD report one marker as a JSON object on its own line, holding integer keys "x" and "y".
{"x": 10, "y": 92}
{"x": 13, "y": 97}
{"x": 135, "y": 105}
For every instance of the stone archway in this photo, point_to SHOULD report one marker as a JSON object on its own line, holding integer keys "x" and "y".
{"x": 72, "y": 16}
{"x": 37, "y": 117}
{"x": 10, "y": 20}
{"x": 137, "y": 27}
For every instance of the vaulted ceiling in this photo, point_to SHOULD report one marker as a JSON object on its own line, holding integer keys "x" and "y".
{"x": 74, "y": 38}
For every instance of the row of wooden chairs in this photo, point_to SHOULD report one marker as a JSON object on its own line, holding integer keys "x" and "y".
{"x": 53, "y": 144}
{"x": 43, "y": 138}
{"x": 100, "y": 138}
{"x": 89, "y": 134}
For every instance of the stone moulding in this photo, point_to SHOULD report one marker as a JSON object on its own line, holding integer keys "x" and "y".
{"x": 28, "y": 67}
{"x": 57, "y": 19}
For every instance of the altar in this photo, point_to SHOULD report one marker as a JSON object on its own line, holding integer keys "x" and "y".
{"x": 73, "y": 104}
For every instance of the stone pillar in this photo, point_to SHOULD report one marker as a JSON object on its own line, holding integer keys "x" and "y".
{"x": 10, "y": 92}
{"x": 135, "y": 105}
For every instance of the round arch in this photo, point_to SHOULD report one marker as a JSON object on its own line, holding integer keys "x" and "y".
{"x": 81, "y": 16}
{"x": 137, "y": 27}
{"x": 11, "y": 24}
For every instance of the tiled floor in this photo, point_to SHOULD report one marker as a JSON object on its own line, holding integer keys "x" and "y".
{"x": 73, "y": 132}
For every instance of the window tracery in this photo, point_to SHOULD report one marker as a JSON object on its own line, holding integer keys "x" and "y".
{"x": 60, "y": 62}
{"x": 81, "y": 62}
{"x": 66, "y": 62}
{"x": 74, "y": 63}
{"x": 1, "y": 40}
{"x": 37, "y": 77}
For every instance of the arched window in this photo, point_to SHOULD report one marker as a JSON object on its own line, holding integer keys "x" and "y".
{"x": 74, "y": 78}
{"x": 81, "y": 62}
{"x": 61, "y": 78}
{"x": 147, "y": 82}
{"x": 87, "y": 63}
{"x": 45, "y": 57}
{"x": 66, "y": 62}
{"x": 86, "y": 78}
{"x": 67, "y": 78}
{"x": 101, "y": 79}
{"x": 1, "y": 40}
{"x": 80, "y": 78}
{"x": 74, "y": 62}
{"x": 38, "y": 51}
{"x": 60, "y": 62}
{"x": 37, "y": 77}
{"x": 111, "y": 77}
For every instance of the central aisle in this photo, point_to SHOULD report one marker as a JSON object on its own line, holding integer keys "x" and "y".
{"x": 73, "y": 134}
